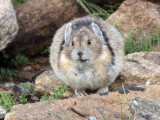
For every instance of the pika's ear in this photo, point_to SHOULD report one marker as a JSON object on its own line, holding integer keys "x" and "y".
{"x": 68, "y": 31}
{"x": 96, "y": 30}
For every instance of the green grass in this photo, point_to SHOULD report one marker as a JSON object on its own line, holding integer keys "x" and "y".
{"x": 19, "y": 60}
{"x": 55, "y": 96}
{"x": 7, "y": 64}
{"x": 130, "y": 116}
{"x": 55, "y": 114}
{"x": 23, "y": 99}
{"x": 30, "y": 87}
{"x": 45, "y": 51}
{"x": 132, "y": 46}
{"x": 6, "y": 73}
{"x": 7, "y": 101}
{"x": 96, "y": 11}
{"x": 111, "y": 8}
{"x": 93, "y": 10}
{"x": 121, "y": 109}
{"x": 18, "y": 2}
{"x": 101, "y": 113}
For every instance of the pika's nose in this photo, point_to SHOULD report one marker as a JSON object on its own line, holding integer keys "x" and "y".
{"x": 80, "y": 53}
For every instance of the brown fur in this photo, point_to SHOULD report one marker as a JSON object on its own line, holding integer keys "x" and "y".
{"x": 98, "y": 67}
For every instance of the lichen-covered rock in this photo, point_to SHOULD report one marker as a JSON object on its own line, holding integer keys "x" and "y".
{"x": 8, "y": 23}
{"x": 82, "y": 108}
{"x": 144, "y": 109}
{"x": 140, "y": 68}
{"x": 137, "y": 14}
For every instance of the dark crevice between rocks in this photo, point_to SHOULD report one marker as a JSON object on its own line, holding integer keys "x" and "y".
{"x": 127, "y": 90}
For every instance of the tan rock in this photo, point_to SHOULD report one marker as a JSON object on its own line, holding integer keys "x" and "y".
{"x": 141, "y": 14}
{"x": 141, "y": 68}
{"x": 47, "y": 82}
{"x": 8, "y": 23}
{"x": 81, "y": 108}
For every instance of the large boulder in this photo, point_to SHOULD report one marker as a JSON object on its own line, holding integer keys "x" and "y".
{"x": 8, "y": 23}
{"x": 138, "y": 14}
{"x": 38, "y": 21}
{"x": 88, "y": 107}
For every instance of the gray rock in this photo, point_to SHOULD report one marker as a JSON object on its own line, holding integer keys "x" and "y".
{"x": 8, "y": 23}
{"x": 16, "y": 88}
{"x": 2, "y": 112}
{"x": 144, "y": 109}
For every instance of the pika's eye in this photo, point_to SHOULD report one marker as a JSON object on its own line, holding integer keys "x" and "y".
{"x": 72, "y": 43}
{"x": 89, "y": 42}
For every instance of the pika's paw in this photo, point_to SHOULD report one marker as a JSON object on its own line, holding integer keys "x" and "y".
{"x": 80, "y": 93}
{"x": 103, "y": 90}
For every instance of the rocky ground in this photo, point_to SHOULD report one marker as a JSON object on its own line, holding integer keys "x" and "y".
{"x": 37, "y": 22}
{"x": 141, "y": 87}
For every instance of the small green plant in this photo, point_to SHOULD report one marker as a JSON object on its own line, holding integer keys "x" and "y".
{"x": 111, "y": 8}
{"x": 7, "y": 101}
{"x": 30, "y": 87}
{"x": 64, "y": 113}
{"x": 23, "y": 99}
{"x": 100, "y": 112}
{"x": 79, "y": 62}
{"x": 18, "y": 2}
{"x": 121, "y": 109}
{"x": 44, "y": 97}
{"x": 57, "y": 116}
{"x": 130, "y": 44}
{"x": 56, "y": 95}
{"x": 45, "y": 51}
{"x": 93, "y": 10}
{"x": 6, "y": 74}
{"x": 19, "y": 60}
{"x": 130, "y": 116}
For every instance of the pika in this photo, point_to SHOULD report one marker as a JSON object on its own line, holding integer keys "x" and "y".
{"x": 87, "y": 53}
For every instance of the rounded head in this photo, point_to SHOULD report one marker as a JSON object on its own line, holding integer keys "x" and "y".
{"x": 82, "y": 44}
